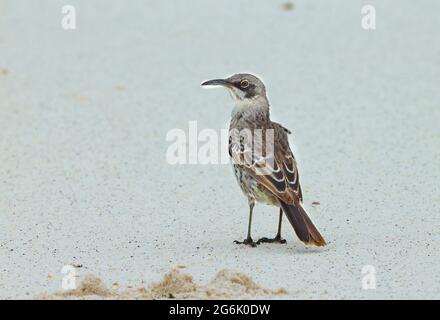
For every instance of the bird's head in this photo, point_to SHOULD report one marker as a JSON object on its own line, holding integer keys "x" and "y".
{"x": 243, "y": 87}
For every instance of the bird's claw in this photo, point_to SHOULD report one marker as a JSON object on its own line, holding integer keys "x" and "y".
{"x": 248, "y": 242}
{"x": 277, "y": 239}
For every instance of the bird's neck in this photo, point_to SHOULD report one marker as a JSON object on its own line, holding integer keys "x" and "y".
{"x": 251, "y": 109}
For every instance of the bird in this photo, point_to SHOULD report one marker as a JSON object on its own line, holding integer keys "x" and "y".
{"x": 263, "y": 162}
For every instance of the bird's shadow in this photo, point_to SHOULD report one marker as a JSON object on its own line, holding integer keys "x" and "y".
{"x": 292, "y": 248}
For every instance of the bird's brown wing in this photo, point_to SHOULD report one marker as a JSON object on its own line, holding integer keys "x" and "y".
{"x": 269, "y": 160}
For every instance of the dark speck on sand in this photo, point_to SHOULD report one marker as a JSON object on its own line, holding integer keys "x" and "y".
{"x": 288, "y": 6}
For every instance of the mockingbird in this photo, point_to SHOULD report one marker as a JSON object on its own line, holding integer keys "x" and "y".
{"x": 263, "y": 163}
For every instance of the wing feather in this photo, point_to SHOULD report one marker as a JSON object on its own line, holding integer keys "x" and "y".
{"x": 272, "y": 164}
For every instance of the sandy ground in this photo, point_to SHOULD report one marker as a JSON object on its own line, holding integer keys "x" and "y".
{"x": 84, "y": 115}
{"x": 176, "y": 284}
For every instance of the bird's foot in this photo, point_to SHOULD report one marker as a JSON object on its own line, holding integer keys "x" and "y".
{"x": 277, "y": 239}
{"x": 248, "y": 242}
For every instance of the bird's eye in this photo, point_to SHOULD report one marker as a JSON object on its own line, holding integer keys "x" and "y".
{"x": 244, "y": 84}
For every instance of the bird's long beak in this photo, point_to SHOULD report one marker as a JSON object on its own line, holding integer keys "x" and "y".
{"x": 217, "y": 82}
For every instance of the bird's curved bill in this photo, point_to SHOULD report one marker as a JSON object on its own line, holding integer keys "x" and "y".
{"x": 216, "y": 82}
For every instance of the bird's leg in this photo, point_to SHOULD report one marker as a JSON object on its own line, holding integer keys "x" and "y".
{"x": 248, "y": 240}
{"x": 277, "y": 238}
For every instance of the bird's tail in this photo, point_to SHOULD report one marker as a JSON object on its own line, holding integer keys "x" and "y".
{"x": 303, "y": 226}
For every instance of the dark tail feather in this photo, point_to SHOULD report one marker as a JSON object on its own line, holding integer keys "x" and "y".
{"x": 303, "y": 226}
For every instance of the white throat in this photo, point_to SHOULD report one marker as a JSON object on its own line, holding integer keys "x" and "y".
{"x": 242, "y": 105}
{"x": 248, "y": 107}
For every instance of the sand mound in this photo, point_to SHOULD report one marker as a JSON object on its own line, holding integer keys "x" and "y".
{"x": 174, "y": 285}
